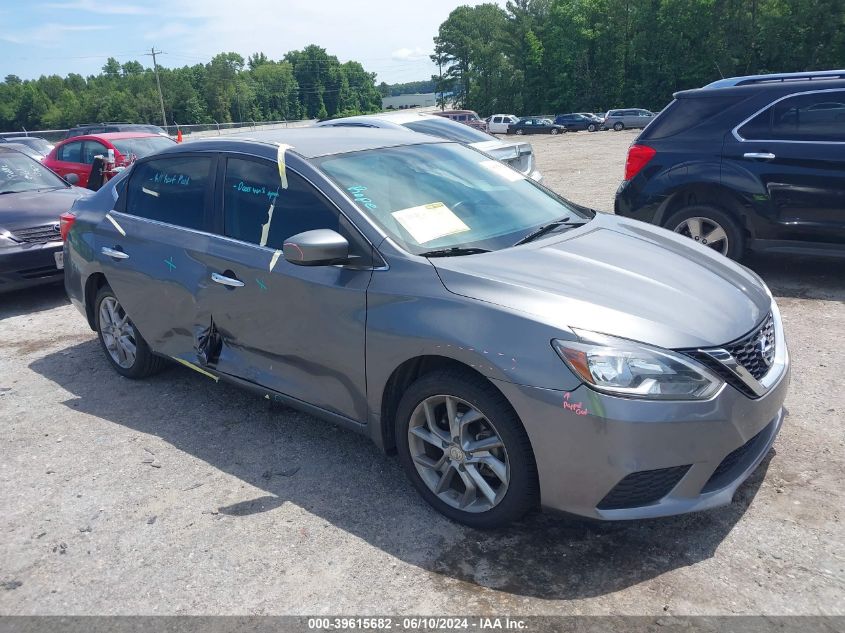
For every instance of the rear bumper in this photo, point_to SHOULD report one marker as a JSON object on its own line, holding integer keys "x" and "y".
{"x": 29, "y": 265}
{"x": 613, "y": 458}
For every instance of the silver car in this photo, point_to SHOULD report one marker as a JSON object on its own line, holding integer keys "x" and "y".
{"x": 514, "y": 349}
{"x": 516, "y": 154}
{"x": 630, "y": 118}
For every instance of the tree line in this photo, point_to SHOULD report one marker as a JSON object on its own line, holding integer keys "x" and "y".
{"x": 307, "y": 83}
{"x": 544, "y": 56}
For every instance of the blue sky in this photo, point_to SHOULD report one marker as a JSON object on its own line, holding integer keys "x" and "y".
{"x": 390, "y": 37}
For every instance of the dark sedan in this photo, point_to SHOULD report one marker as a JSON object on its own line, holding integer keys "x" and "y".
{"x": 576, "y": 121}
{"x": 31, "y": 200}
{"x": 535, "y": 125}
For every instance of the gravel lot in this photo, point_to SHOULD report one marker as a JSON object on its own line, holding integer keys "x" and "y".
{"x": 178, "y": 496}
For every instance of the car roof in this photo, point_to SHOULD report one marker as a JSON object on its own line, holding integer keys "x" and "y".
{"x": 746, "y": 80}
{"x": 112, "y": 136}
{"x": 781, "y": 84}
{"x": 400, "y": 117}
{"x": 310, "y": 142}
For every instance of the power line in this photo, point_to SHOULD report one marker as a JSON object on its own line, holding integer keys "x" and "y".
{"x": 153, "y": 52}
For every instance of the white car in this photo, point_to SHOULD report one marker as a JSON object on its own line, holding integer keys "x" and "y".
{"x": 498, "y": 123}
{"x": 517, "y": 154}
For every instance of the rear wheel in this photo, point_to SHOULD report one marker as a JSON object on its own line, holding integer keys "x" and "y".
{"x": 519, "y": 131}
{"x": 618, "y": 126}
{"x": 465, "y": 451}
{"x": 710, "y": 226}
{"x": 122, "y": 344}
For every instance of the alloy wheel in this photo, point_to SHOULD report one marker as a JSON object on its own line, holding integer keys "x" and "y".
{"x": 118, "y": 333}
{"x": 705, "y": 231}
{"x": 458, "y": 453}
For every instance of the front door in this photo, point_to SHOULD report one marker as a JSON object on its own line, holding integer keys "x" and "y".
{"x": 69, "y": 160}
{"x": 796, "y": 149}
{"x": 297, "y": 330}
{"x": 150, "y": 248}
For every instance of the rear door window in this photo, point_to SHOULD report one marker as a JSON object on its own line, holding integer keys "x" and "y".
{"x": 684, "y": 114}
{"x": 172, "y": 190}
{"x": 811, "y": 117}
{"x": 71, "y": 152}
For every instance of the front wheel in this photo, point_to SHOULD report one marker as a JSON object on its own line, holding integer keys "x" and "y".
{"x": 554, "y": 130}
{"x": 124, "y": 347}
{"x": 520, "y": 132}
{"x": 591, "y": 127}
{"x": 618, "y": 126}
{"x": 465, "y": 451}
{"x": 711, "y": 227}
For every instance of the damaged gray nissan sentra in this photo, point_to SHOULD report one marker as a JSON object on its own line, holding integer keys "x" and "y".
{"x": 516, "y": 350}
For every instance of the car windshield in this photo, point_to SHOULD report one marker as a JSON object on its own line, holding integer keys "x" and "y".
{"x": 444, "y": 128}
{"x": 19, "y": 173}
{"x": 445, "y": 195}
{"x": 143, "y": 146}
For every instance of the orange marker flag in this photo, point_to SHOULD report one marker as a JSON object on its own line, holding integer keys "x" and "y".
{"x": 179, "y": 136}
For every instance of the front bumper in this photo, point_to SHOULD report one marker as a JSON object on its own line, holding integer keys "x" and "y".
{"x": 615, "y": 458}
{"x": 25, "y": 265}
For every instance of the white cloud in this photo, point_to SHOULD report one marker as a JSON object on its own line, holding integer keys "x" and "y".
{"x": 410, "y": 54}
{"x": 48, "y": 34}
{"x": 99, "y": 6}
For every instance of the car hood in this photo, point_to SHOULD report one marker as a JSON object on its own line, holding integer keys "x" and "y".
{"x": 34, "y": 208}
{"x": 519, "y": 155}
{"x": 619, "y": 277}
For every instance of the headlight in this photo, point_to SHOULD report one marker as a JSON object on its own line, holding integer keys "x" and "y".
{"x": 6, "y": 240}
{"x": 626, "y": 368}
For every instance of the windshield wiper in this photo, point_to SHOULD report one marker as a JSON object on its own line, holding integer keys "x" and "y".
{"x": 547, "y": 228}
{"x": 453, "y": 252}
{"x": 5, "y": 192}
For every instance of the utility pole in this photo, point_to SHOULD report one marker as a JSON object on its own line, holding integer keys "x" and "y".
{"x": 153, "y": 52}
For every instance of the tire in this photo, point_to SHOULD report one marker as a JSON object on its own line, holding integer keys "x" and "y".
{"x": 591, "y": 127}
{"x": 144, "y": 363}
{"x": 494, "y": 420}
{"x": 618, "y": 126}
{"x": 554, "y": 130}
{"x": 520, "y": 132}
{"x": 710, "y": 220}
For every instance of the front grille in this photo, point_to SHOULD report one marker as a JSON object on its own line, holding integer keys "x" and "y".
{"x": 747, "y": 350}
{"x": 38, "y": 234}
{"x": 736, "y": 462}
{"x": 643, "y": 488}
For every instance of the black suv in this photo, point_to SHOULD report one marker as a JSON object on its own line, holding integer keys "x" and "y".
{"x": 101, "y": 128}
{"x": 746, "y": 163}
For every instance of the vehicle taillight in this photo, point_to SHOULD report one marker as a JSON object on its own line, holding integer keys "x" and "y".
{"x": 638, "y": 157}
{"x": 65, "y": 222}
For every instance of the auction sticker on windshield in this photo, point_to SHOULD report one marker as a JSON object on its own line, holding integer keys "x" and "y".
{"x": 430, "y": 221}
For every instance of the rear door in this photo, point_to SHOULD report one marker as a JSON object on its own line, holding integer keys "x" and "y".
{"x": 298, "y": 330}
{"x": 69, "y": 160}
{"x": 796, "y": 149}
{"x": 151, "y": 248}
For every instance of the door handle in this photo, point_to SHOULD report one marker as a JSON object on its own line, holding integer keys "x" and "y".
{"x": 226, "y": 281}
{"x": 759, "y": 155}
{"x": 114, "y": 253}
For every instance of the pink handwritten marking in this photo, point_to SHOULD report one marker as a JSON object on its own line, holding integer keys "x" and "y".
{"x": 576, "y": 407}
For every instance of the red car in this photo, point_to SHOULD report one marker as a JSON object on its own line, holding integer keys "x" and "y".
{"x": 75, "y": 155}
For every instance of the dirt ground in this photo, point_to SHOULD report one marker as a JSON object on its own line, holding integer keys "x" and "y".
{"x": 178, "y": 496}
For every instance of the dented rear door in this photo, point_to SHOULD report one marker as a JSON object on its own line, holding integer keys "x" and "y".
{"x": 296, "y": 330}
{"x": 151, "y": 245}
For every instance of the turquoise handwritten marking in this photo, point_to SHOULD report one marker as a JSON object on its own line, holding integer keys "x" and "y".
{"x": 172, "y": 179}
{"x": 260, "y": 284}
{"x": 255, "y": 190}
{"x": 170, "y": 264}
{"x": 357, "y": 192}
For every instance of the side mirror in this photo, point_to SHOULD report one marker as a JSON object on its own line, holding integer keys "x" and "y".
{"x": 321, "y": 247}
{"x": 72, "y": 179}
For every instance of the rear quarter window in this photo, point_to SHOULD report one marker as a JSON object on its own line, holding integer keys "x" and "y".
{"x": 683, "y": 114}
